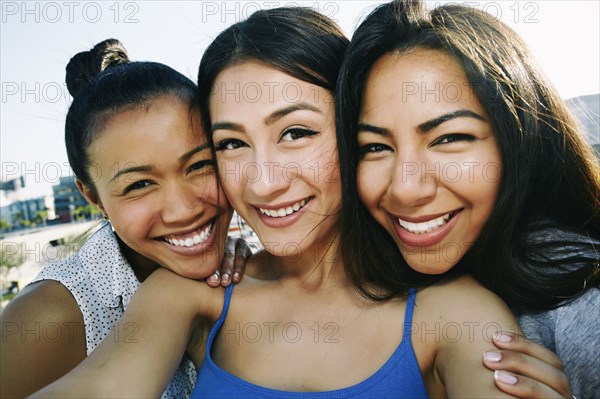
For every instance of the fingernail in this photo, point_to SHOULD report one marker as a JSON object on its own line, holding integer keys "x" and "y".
{"x": 494, "y": 357}
{"x": 214, "y": 278}
{"x": 501, "y": 337}
{"x": 236, "y": 277}
{"x": 226, "y": 278}
{"x": 504, "y": 377}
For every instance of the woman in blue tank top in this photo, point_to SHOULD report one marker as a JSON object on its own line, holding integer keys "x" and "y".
{"x": 298, "y": 327}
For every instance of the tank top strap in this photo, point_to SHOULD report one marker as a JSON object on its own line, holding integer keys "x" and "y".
{"x": 220, "y": 320}
{"x": 227, "y": 301}
{"x": 410, "y": 306}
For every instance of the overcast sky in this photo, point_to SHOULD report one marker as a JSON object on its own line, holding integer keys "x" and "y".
{"x": 38, "y": 38}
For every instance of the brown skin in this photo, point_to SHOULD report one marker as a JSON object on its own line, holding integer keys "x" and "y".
{"x": 30, "y": 361}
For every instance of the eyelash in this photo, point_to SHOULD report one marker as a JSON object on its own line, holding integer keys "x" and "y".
{"x": 200, "y": 165}
{"x": 372, "y": 148}
{"x": 136, "y": 186}
{"x": 223, "y": 144}
{"x": 453, "y": 138}
{"x": 141, "y": 184}
{"x": 234, "y": 144}
{"x": 303, "y": 132}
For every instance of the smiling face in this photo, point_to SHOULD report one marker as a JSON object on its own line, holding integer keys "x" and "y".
{"x": 430, "y": 165}
{"x": 154, "y": 177}
{"x": 276, "y": 151}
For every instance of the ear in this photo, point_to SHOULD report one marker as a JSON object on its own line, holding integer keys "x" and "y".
{"x": 90, "y": 195}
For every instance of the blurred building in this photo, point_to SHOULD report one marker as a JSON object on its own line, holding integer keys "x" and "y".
{"x": 17, "y": 211}
{"x": 67, "y": 198}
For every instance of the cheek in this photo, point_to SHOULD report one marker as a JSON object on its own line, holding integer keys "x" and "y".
{"x": 132, "y": 221}
{"x": 369, "y": 185}
{"x": 207, "y": 188}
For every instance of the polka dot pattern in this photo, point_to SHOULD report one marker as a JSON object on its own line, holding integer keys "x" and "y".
{"x": 102, "y": 282}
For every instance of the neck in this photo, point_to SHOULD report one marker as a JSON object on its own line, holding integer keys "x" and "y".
{"x": 142, "y": 266}
{"x": 315, "y": 268}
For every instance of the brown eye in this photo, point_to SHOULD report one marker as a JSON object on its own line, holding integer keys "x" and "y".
{"x": 297, "y": 133}
{"x": 452, "y": 138}
{"x": 200, "y": 165}
{"x": 138, "y": 185}
{"x": 373, "y": 148}
{"x": 229, "y": 144}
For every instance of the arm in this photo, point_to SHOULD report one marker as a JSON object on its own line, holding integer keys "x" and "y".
{"x": 43, "y": 338}
{"x": 468, "y": 316}
{"x": 162, "y": 313}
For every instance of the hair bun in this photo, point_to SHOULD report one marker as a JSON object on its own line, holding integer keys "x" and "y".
{"x": 87, "y": 64}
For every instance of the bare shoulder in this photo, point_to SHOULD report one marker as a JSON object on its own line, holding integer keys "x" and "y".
{"x": 43, "y": 337}
{"x": 462, "y": 297}
{"x": 458, "y": 318}
{"x": 44, "y": 301}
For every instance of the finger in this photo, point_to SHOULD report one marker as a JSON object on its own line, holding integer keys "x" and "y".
{"x": 519, "y": 343}
{"x": 214, "y": 280}
{"x": 524, "y": 365}
{"x": 242, "y": 253}
{"x": 524, "y": 387}
{"x": 227, "y": 263}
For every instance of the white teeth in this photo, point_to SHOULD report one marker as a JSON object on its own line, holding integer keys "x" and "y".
{"x": 197, "y": 238}
{"x": 425, "y": 227}
{"x": 279, "y": 213}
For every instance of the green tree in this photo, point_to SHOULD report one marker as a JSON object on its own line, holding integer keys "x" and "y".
{"x": 10, "y": 257}
{"x": 4, "y": 225}
{"x": 41, "y": 216}
{"x": 86, "y": 212}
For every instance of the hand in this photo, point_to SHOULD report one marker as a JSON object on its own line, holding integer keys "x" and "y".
{"x": 237, "y": 253}
{"x": 526, "y": 369}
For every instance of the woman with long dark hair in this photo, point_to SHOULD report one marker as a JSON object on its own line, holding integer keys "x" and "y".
{"x": 462, "y": 158}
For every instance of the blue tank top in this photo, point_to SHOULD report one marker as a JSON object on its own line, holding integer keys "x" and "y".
{"x": 399, "y": 377}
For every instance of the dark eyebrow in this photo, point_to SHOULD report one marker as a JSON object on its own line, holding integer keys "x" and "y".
{"x": 425, "y": 127}
{"x": 364, "y": 127}
{"x": 192, "y": 152}
{"x": 145, "y": 168}
{"x": 275, "y": 116}
{"x": 269, "y": 120}
{"x": 227, "y": 126}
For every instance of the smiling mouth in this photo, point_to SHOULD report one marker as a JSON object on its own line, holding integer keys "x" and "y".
{"x": 285, "y": 211}
{"x": 192, "y": 239}
{"x": 428, "y": 226}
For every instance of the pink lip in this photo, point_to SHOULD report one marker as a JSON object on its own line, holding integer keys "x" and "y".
{"x": 426, "y": 239}
{"x": 284, "y": 221}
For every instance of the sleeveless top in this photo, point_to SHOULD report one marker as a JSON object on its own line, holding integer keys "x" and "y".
{"x": 399, "y": 377}
{"x": 102, "y": 283}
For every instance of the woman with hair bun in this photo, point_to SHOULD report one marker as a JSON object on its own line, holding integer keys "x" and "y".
{"x": 139, "y": 154}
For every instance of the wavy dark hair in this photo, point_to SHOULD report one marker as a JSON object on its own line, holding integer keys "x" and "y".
{"x": 539, "y": 246}
{"x": 103, "y": 82}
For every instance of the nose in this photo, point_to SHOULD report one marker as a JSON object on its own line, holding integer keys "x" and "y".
{"x": 414, "y": 182}
{"x": 266, "y": 177}
{"x": 181, "y": 204}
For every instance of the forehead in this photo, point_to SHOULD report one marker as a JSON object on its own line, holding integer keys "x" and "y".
{"x": 262, "y": 86}
{"x": 420, "y": 81}
{"x": 166, "y": 121}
